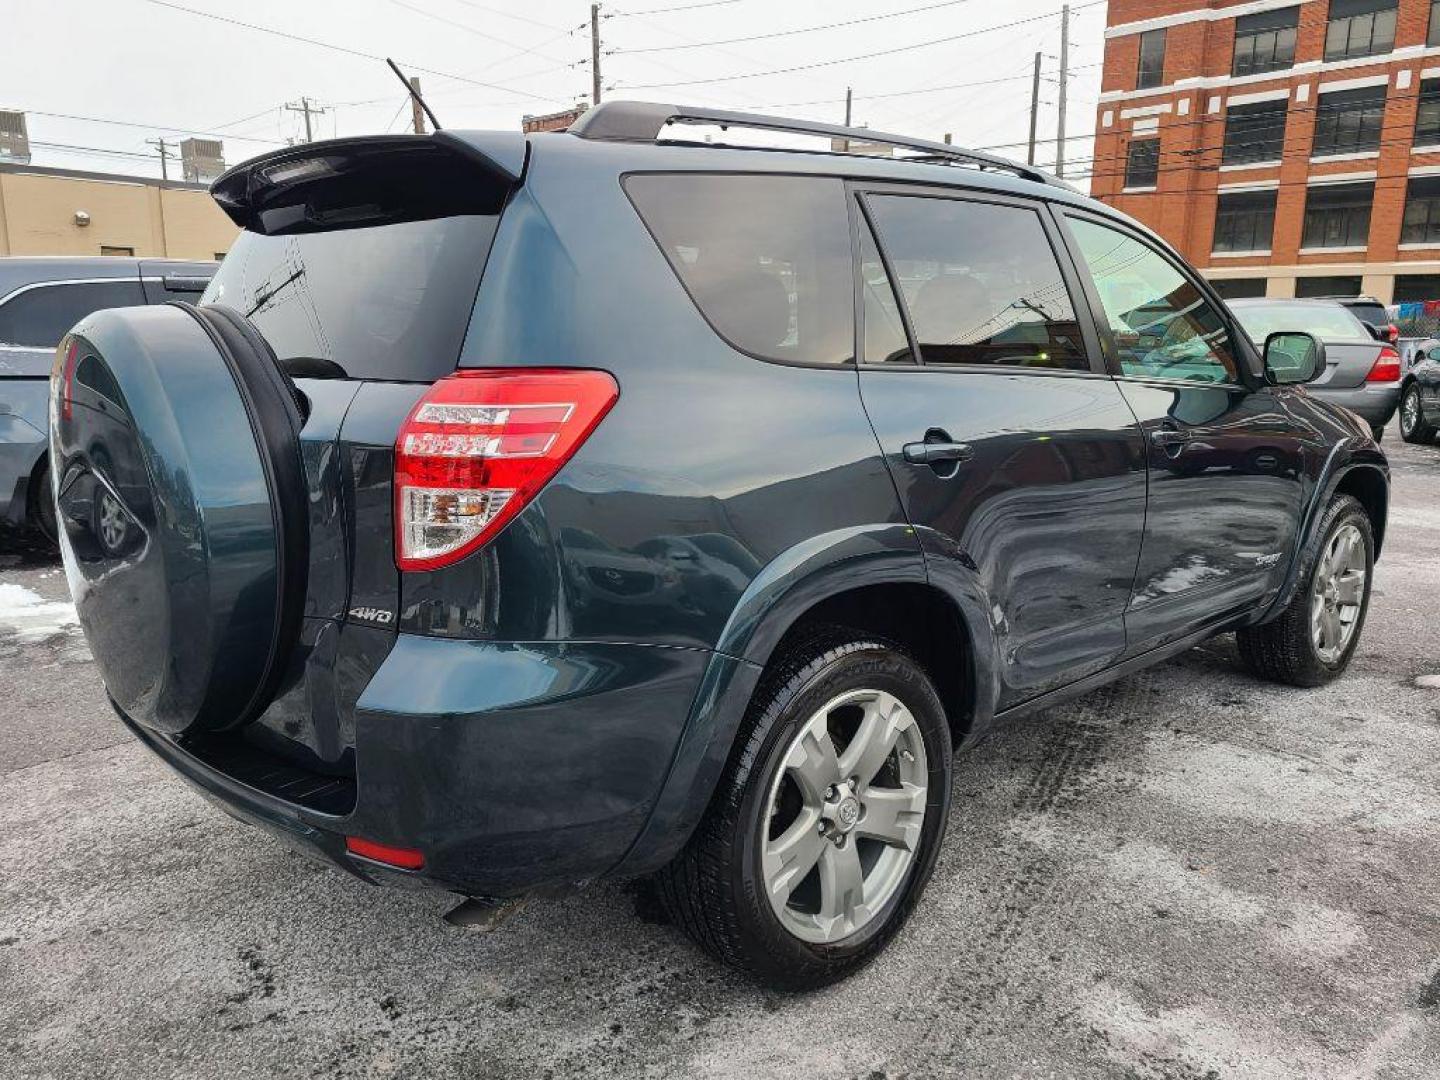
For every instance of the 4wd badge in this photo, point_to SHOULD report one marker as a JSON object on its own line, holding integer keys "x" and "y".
{"x": 378, "y": 616}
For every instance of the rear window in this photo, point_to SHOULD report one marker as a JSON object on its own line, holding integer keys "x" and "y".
{"x": 1328, "y": 322}
{"x": 389, "y": 302}
{"x": 765, "y": 258}
{"x": 1371, "y": 313}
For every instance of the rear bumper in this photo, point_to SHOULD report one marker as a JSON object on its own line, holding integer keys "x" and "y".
{"x": 514, "y": 768}
{"x": 1374, "y": 403}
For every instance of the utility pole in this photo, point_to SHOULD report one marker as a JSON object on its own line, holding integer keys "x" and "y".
{"x": 1034, "y": 110}
{"x": 309, "y": 110}
{"x": 594, "y": 54}
{"x": 1064, "y": 86}
{"x": 849, "y": 100}
{"x": 417, "y": 113}
{"x": 164, "y": 148}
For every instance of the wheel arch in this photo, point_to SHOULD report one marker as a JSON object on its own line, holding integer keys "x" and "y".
{"x": 872, "y": 579}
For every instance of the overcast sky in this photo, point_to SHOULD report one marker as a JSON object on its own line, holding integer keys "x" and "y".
{"x": 171, "y": 73}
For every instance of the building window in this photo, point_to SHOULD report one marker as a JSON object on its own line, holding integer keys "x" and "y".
{"x": 106, "y": 249}
{"x": 1337, "y": 215}
{"x": 1432, "y": 37}
{"x": 1151, "y": 71}
{"x": 1317, "y": 288}
{"x": 1254, "y": 132}
{"x": 1249, "y": 288}
{"x": 1349, "y": 121}
{"x": 1413, "y": 288}
{"x": 1266, "y": 42}
{"x": 1245, "y": 221}
{"x": 1427, "y": 114}
{"x": 1421, "y": 224}
{"x": 1360, "y": 28}
{"x": 1142, "y": 163}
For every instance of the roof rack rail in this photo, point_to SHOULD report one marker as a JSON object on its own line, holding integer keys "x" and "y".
{"x": 642, "y": 121}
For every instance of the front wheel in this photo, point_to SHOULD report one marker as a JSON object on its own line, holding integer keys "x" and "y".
{"x": 42, "y": 507}
{"x": 1413, "y": 428}
{"x": 825, "y": 827}
{"x": 1315, "y": 637}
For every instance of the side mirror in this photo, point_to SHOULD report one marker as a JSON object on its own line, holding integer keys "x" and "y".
{"x": 1293, "y": 357}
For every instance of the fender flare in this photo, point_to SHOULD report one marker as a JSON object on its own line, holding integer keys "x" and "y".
{"x": 790, "y": 585}
{"x": 1346, "y": 457}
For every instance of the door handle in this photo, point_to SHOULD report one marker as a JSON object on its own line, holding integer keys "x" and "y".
{"x": 1169, "y": 438}
{"x": 938, "y": 453}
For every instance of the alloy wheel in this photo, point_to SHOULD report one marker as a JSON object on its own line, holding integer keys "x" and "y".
{"x": 1337, "y": 593}
{"x": 844, "y": 816}
{"x": 1410, "y": 411}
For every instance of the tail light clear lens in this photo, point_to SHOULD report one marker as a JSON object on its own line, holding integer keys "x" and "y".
{"x": 479, "y": 446}
{"x": 1386, "y": 367}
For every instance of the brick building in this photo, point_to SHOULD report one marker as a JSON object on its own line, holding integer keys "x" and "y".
{"x": 1286, "y": 147}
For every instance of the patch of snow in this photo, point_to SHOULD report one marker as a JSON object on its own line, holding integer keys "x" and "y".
{"x": 30, "y": 617}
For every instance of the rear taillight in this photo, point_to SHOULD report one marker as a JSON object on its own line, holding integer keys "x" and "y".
{"x": 479, "y": 446}
{"x": 67, "y": 383}
{"x": 1392, "y": 334}
{"x": 1386, "y": 368}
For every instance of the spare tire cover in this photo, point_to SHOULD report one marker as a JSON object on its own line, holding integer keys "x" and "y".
{"x": 175, "y": 450}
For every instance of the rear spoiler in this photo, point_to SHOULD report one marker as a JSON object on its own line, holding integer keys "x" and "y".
{"x": 373, "y": 180}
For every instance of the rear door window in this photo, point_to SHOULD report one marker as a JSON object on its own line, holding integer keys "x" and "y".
{"x": 39, "y": 317}
{"x": 980, "y": 281}
{"x": 765, "y": 258}
{"x": 388, "y": 302}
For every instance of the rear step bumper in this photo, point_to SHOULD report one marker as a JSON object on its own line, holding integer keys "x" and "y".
{"x": 513, "y": 768}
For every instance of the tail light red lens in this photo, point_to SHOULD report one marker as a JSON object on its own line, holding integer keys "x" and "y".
{"x": 479, "y": 446}
{"x": 67, "y": 385}
{"x": 1392, "y": 334}
{"x": 1386, "y": 367}
{"x": 402, "y": 858}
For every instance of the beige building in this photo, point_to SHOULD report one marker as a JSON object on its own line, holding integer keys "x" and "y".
{"x": 45, "y": 211}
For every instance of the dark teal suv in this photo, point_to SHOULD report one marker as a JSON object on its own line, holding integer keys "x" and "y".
{"x": 514, "y": 512}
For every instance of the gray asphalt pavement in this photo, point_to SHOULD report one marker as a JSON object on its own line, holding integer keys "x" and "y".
{"x": 1190, "y": 874}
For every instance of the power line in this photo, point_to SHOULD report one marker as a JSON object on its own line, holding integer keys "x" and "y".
{"x": 344, "y": 50}
{"x": 680, "y": 7}
{"x": 792, "y": 33}
{"x": 215, "y": 133}
{"x": 850, "y": 59}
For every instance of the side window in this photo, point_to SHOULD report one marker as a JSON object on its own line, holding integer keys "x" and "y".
{"x": 980, "y": 282}
{"x": 885, "y": 340}
{"x": 39, "y": 317}
{"x": 1163, "y": 327}
{"x": 766, "y": 258}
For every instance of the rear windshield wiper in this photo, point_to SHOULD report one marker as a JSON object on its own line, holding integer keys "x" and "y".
{"x": 265, "y": 297}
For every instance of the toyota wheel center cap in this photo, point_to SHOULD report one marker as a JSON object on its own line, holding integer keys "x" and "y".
{"x": 847, "y": 813}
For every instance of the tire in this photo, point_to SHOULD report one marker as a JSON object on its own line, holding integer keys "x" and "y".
{"x": 715, "y": 889}
{"x": 1287, "y": 649}
{"x": 42, "y": 507}
{"x": 1413, "y": 426}
{"x": 1378, "y": 433}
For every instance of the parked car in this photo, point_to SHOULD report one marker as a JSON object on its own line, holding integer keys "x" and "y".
{"x": 1420, "y": 398}
{"x": 1372, "y": 313}
{"x": 1361, "y": 373}
{"x": 41, "y": 298}
{"x": 515, "y": 512}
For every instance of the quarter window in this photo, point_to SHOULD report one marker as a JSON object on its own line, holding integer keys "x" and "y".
{"x": 1245, "y": 221}
{"x": 1142, "y": 163}
{"x": 766, "y": 258}
{"x": 1360, "y": 28}
{"x": 1151, "y": 71}
{"x": 1162, "y": 326}
{"x": 1265, "y": 41}
{"x": 38, "y": 318}
{"x": 1254, "y": 132}
{"x": 1349, "y": 121}
{"x": 1422, "y": 211}
{"x": 980, "y": 282}
{"x": 1337, "y": 215}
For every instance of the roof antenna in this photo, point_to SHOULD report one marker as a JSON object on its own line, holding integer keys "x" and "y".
{"x": 414, "y": 93}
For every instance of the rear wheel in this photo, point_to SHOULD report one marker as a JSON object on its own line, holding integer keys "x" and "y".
{"x": 1315, "y": 637}
{"x": 824, "y": 830}
{"x": 1377, "y": 432}
{"x": 42, "y": 506}
{"x": 1413, "y": 428}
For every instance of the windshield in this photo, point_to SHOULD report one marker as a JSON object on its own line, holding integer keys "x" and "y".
{"x": 388, "y": 302}
{"x": 1328, "y": 322}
